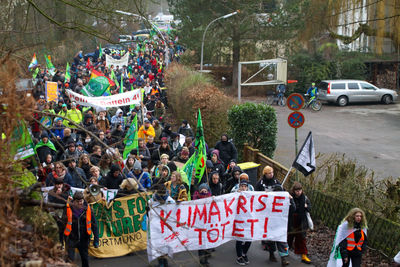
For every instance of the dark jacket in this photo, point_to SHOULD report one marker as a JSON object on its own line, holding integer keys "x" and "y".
{"x": 227, "y": 151}
{"x": 50, "y": 179}
{"x": 298, "y": 218}
{"x": 79, "y": 231}
{"x": 268, "y": 185}
{"x": 186, "y": 131}
{"x": 216, "y": 189}
{"x": 77, "y": 174}
{"x": 110, "y": 181}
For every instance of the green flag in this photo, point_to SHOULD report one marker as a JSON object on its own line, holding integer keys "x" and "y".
{"x": 200, "y": 150}
{"x": 67, "y": 74}
{"x": 113, "y": 77}
{"x": 96, "y": 86}
{"x": 49, "y": 65}
{"x": 35, "y": 73}
{"x": 131, "y": 138}
{"x": 100, "y": 51}
{"x": 188, "y": 168}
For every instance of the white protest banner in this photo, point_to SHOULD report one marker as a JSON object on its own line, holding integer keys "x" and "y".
{"x": 117, "y": 62}
{"x": 124, "y": 99}
{"x": 109, "y": 194}
{"x": 210, "y": 222}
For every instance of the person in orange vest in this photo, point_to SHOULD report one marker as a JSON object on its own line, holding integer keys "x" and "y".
{"x": 80, "y": 225}
{"x": 350, "y": 240}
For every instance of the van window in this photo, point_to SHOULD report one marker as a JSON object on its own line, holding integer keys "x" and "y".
{"x": 353, "y": 86}
{"x": 338, "y": 86}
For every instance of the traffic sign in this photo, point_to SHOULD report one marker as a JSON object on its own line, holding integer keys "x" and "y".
{"x": 295, "y": 101}
{"x": 296, "y": 119}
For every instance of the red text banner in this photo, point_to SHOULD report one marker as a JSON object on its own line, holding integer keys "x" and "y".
{"x": 210, "y": 222}
{"x": 124, "y": 99}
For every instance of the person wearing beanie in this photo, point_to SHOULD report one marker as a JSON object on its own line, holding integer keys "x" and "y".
{"x": 113, "y": 178}
{"x": 141, "y": 176}
{"x": 80, "y": 223}
{"x": 146, "y": 130}
{"x": 185, "y": 129}
{"x": 243, "y": 178}
{"x": 182, "y": 156}
{"x": 203, "y": 191}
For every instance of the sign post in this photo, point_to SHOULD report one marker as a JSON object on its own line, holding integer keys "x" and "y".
{"x": 296, "y": 119}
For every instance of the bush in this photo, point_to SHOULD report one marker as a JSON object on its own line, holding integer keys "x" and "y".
{"x": 255, "y": 124}
{"x": 189, "y": 91}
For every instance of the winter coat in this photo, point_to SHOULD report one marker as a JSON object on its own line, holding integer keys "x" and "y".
{"x": 79, "y": 231}
{"x": 186, "y": 131}
{"x": 102, "y": 124}
{"x": 110, "y": 181}
{"x": 227, "y": 151}
{"x": 52, "y": 176}
{"x": 298, "y": 218}
{"x": 144, "y": 133}
{"x": 77, "y": 174}
{"x": 269, "y": 185}
{"x": 216, "y": 189}
{"x": 74, "y": 115}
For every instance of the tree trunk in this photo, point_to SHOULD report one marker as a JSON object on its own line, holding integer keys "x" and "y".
{"x": 235, "y": 55}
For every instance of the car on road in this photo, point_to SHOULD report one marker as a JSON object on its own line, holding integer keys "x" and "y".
{"x": 343, "y": 92}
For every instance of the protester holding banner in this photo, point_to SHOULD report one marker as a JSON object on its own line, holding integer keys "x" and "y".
{"x": 242, "y": 247}
{"x": 298, "y": 223}
{"x": 203, "y": 191}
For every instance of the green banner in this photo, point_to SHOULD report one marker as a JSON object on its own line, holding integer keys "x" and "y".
{"x": 122, "y": 226}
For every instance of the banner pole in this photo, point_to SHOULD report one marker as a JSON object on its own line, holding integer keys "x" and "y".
{"x": 296, "y": 150}
{"x": 284, "y": 180}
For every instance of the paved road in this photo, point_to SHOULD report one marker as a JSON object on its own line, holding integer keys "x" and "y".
{"x": 369, "y": 133}
{"x": 224, "y": 255}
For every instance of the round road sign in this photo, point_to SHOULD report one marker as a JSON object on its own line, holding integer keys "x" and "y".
{"x": 295, "y": 101}
{"x": 296, "y": 119}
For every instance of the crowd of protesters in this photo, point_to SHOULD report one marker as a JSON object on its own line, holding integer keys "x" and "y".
{"x": 83, "y": 147}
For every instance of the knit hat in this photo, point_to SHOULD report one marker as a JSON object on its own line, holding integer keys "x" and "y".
{"x": 164, "y": 156}
{"x": 164, "y": 140}
{"x": 267, "y": 169}
{"x": 44, "y": 135}
{"x": 114, "y": 168}
{"x": 185, "y": 122}
{"x": 204, "y": 186}
{"x": 244, "y": 182}
{"x": 244, "y": 176}
{"x": 137, "y": 165}
{"x": 209, "y": 164}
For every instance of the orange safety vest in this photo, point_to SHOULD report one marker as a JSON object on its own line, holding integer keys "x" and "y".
{"x": 68, "y": 227}
{"x": 351, "y": 243}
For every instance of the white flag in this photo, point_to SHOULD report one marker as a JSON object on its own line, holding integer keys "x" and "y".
{"x": 305, "y": 160}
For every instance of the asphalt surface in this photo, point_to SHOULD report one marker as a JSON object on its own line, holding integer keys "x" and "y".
{"x": 224, "y": 255}
{"x": 368, "y": 133}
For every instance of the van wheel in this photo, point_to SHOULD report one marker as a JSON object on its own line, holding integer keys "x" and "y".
{"x": 386, "y": 99}
{"x": 342, "y": 101}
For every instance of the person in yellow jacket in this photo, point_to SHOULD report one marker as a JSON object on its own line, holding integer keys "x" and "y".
{"x": 63, "y": 112}
{"x": 74, "y": 115}
{"x": 146, "y": 130}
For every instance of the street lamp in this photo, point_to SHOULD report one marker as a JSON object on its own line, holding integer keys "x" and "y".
{"x": 204, "y": 34}
{"x": 152, "y": 25}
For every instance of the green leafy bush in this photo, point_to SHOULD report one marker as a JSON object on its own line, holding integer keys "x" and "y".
{"x": 255, "y": 124}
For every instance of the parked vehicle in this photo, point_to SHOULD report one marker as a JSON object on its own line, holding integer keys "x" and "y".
{"x": 343, "y": 92}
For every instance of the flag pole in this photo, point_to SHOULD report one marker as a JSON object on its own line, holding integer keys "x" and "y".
{"x": 287, "y": 175}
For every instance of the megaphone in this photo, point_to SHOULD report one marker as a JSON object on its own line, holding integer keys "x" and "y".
{"x": 94, "y": 189}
